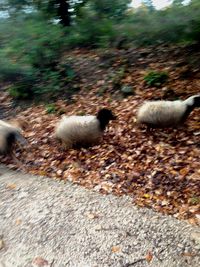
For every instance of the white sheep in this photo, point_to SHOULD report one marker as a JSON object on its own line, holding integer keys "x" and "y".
{"x": 167, "y": 113}
{"x": 83, "y": 130}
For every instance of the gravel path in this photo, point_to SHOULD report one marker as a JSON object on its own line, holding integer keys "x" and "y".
{"x": 48, "y": 223}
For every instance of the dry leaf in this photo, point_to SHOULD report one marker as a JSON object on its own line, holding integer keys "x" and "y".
{"x": 184, "y": 171}
{"x": 11, "y": 186}
{"x": 92, "y": 215}
{"x": 39, "y": 262}
{"x": 149, "y": 256}
{"x": 189, "y": 254}
{"x": 18, "y": 221}
{"x": 116, "y": 249}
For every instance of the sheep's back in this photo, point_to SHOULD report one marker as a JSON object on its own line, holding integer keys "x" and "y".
{"x": 79, "y": 129}
{"x": 161, "y": 113}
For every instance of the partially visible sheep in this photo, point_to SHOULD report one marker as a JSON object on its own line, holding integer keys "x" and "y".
{"x": 83, "y": 130}
{"x": 167, "y": 113}
{"x": 10, "y": 133}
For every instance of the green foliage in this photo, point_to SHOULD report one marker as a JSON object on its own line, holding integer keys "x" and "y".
{"x": 155, "y": 78}
{"x": 175, "y": 24}
{"x": 36, "y": 43}
{"x": 22, "y": 78}
{"x": 51, "y": 108}
{"x": 101, "y": 24}
{"x": 11, "y": 72}
{"x": 117, "y": 78}
{"x": 37, "y": 47}
{"x": 66, "y": 71}
{"x": 149, "y": 5}
{"x": 127, "y": 90}
{"x": 112, "y": 9}
{"x": 20, "y": 90}
{"x": 88, "y": 33}
{"x": 97, "y": 23}
{"x": 32, "y": 44}
{"x": 195, "y": 200}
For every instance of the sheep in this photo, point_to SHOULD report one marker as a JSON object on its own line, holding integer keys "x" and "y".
{"x": 167, "y": 113}
{"x": 10, "y": 133}
{"x": 83, "y": 130}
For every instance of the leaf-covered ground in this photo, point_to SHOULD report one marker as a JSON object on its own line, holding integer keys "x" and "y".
{"x": 159, "y": 169}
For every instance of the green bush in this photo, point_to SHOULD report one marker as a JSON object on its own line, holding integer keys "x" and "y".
{"x": 10, "y": 72}
{"x": 156, "y": 78}
{"x": 37, "y": 47}
{"x": 87, "y": 32}
{"x": 20, "y": 90}
{"x": 172, "y": 25}
{"x": 51, "y": 108}
{"x": 35, "y": 42}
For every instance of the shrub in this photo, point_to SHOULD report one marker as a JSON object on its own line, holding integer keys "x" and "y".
{"x": 23, "y": 79}
{"x": 51, "y": 108}
{"x": 37, "y": 47}
{"x": 36, "y": 43}
{"x": 11, "y": 71}
{"x": 20, "y": 91}
{"x": 155, "y": 78}
{"x": 87, "y": 32}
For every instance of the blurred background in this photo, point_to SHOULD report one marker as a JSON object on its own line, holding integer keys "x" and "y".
{"x": 35, "y": 34}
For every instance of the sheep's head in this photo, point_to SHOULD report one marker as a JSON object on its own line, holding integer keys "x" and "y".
{"x": 196, "y": 101}
{"x": 104, "y": 116}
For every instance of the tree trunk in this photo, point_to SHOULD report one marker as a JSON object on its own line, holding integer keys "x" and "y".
{"x": 63, "y": 12}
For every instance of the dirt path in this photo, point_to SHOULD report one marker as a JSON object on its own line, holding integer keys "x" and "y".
{"x": 44, "y": 222}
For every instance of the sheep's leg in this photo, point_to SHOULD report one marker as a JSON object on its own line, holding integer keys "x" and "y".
{"x": 65, "y": 146}
{"x": 17, "y": 162}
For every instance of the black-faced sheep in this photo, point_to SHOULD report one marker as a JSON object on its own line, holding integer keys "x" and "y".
{"x": 83, "y": 130}
{"x": 167, "y": 113}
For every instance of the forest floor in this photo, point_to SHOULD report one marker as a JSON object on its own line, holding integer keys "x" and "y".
{"x": 158, "y": 169}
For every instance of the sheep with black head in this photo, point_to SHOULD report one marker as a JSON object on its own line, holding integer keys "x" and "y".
{"x": 167, "y": 113}
{"x": 83, "y": 130}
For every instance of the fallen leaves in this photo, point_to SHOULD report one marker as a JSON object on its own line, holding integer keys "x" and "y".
{"x": 159, "y": 169}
